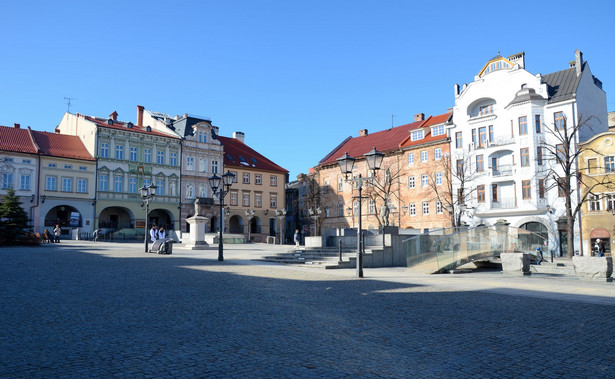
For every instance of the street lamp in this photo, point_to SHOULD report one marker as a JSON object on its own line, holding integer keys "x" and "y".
{"x": 249, "y": 216}
{"x": 281, "y": 214}
{"x": 147, "y": 194}
{"x": 346, "y": 163}
{"x": 315, "y": 215}
{"x": 214, "y": 182}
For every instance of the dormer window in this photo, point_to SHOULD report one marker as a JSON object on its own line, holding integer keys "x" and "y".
{"x": 485, "y": 110}
{"x": 417, "y": 135}
{"x": 437, "y": 130}
{"x": 109, "y": 122}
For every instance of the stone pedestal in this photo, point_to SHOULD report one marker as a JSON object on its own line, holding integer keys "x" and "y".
{"x": 599, "y": 268}
{"x": 197, "y": 233}
{"x": 515, "y": 263}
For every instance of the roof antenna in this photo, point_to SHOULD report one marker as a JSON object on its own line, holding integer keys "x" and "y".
{"x": 68, "y": 102}
{"x": 392, "y": 116}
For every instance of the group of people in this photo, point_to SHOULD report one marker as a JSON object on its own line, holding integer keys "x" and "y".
{"x": 55, "y": 237}
{"x": 157, "y": 233}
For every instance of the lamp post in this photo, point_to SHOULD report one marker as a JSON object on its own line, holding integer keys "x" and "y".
{"x": 214, "y": 182}
{"x": 147, "y": 194}
{"x": 249, "y": 216}
{"x": 315, "y": 215}
{"x": 346, "y": 163}
{"x": 281, "y": 214}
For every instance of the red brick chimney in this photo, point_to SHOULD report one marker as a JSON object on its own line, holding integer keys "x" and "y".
{"x": 17, "y": 126}
{"x": 419, "y": 117}
{"x": 113, "y": 116}
{"x": 363, "y": 132}
{"x": 140, "y": 109}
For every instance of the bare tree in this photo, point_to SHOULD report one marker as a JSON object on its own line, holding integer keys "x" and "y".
{"x": 381, "y": 190}
{"x": 562, "y": 165}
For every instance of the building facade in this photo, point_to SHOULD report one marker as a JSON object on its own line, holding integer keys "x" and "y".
{"x": 504, "y": 125}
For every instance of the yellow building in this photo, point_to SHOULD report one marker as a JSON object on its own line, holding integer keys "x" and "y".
{"x": 597, "y": 165}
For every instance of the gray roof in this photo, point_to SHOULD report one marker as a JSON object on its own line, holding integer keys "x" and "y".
{"x": 562, "y": 85}
{"x": 526, "y": 94}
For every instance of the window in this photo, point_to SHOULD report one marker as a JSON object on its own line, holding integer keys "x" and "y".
{"x": 132, "y": 185}
{"x": 561, "y": 185}
{"x": 482, "y": 136}
{"x": 25, "y": 182}
{"x": 372, "y": 207}
{"x": 340, "y": 184}
{"x": 439, "y": 207}
{"x": 522, "y": 125}
{"x": 214, "y": 167}
{"x": 559, "y": 120}
{"x": 245, "y": 199}
{"x": 438, "y": 178}
{"x": 412, "y": 209}
{"x": 491, "y": 138}
{"x": 474, "y": 140}
{"x": 190, "y": 163}
{"x": 480, "y": 193}
{"x": 103, "y": 182}
{"x": 411, "y": 158}
{"x": 541, "y": 188}
{"x": 202, "y": 165}
{"x": 202, "y": 137}
{"x": 147, "y": 155}
{"x": 594, "y": 203}
{"x": 202, "y": 190}
{"x": 68, "y": 166}
{"x": 160, "y": 157}
{"x": 485, "y": 110}
{"x": 494, "y": 193}
{"x": 133, "y": 154}
{"x": 119, "y": 152}
{"x": 459, "y": 167}
{"x": 118, "y": 184}
{"x": 424, "y": 156}
{"x": 424, "y": 180}
{"x": 234, "y": 198}
{"x": 7, "y": 181}
{"x": 355, "y": 207}
{"x": 246, "y": 178}
{"x": 26, "y": 161}
{"x": 437, "y": 130}
{"x": 417, "y": 135}
{"x": 258, "y": 200}
{"x": 173, "y": 159}
{"x": 147, "y": 182}
{"x": 411, "y": 182}
{"x": 610, "y": 202}
{"x": 104, "y": 150}
{"x": 83, "y": 168}
{"x": 160, "y": 187}
{"x": 609, "y": 164}
{"x": 458, "y": 140}
{"x": 273, "y": 198}
{"x": 340, "y": 210}
{"x": 190, "y": 192}
{"x": 592, "y": 164}
{"x": 67, "y": 184}
{"x": 327, "y": 212}
{"x": 82, "y": 185}
{"x": 274, "y": 181}
{"x": 258, "y": 179}
{"x": 539, "y": 155}
{"x": 494, "y": 163}
{"x": 560, "y": 153}
{"x": 480, "y": 163}
{"x": 52, "y": 165}
{"x": 425, "y": 207}
{"x": 526, "y": 189}
{"x": 51, "y": 183}
{"x": 538, "y": 123}
{"x": 437, "y": 154}
{"x": 525, "y": 157}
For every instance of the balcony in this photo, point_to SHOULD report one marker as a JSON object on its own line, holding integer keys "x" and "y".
{"x": 502, "y": 170}
{"x": 500, "y": 141}
{"x": 505, "y": 203}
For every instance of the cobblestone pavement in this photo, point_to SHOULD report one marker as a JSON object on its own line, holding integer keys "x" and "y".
{"x": 83, "y": 309}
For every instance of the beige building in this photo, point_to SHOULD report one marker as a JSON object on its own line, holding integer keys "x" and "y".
{"x": 597, "y": 165}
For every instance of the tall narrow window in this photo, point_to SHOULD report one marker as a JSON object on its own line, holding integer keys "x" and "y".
{"x": 132, "y": 185}
{"x": 525, "y": 157}
{"x": 480, "y": 193}
{"x": 459, "y": 167}
{"x": 411, "y": 183}
{"x": 541, "y": 188}
{"x": 411, "y": 158}
{"x": 133, "y": 154}
{"x": 425, "y": 207}
{"x": 559, "y": 120}
{"x": 522, "y": 125}
{"x": 482, "y": 136}
{"x": 560, "y": 152}
{"x": 147, "y": 155}
{"x": 539, "y": 155}
{"x": 103, "y": 182}
{"x": 491, "y": 137}
{"x": 214, "y": 167}
{"x": 104, "y": 150}
{"x": 458, "y": 140}
{"x": 474, "y": 139}
{"x": 118, "y": 184}
{"x": 538, "y": 123}
{"x": 594, "y": 203}
{"x": 609, "y": 164}
{"x": 480, "y": 163}
{"x": 526, "y": 189}
{"x": 160, "y": 157}
{"x": 119, "y": 152}
{"x": 494, "y": 193}
{"x": 561, "y": 187}
{"x": 67, "y": 185}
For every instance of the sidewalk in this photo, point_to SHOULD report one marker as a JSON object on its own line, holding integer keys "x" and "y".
{"x": 536, "y": 285}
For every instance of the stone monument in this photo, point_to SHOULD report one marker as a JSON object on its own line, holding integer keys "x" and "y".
{"x": 197, "y": 228}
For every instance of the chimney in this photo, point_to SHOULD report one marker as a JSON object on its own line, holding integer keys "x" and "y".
{"x": 113, "y": 116}
{"x": 140, "y": 115}
{"x": 419, "y": 117}
{"x": 240, "y": 136}
{"x": 362, "y": 132}
{"x": 17, "y": 126}
{"x": 578, "y": 61}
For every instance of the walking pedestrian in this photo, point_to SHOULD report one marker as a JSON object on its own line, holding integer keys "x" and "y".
{"x": 297, "y": 238}
{"x": 56, "y": 232}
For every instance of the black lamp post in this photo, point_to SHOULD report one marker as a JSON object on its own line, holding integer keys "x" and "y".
{"x": 374, "y": 161}
{"x": 214, "y": 182}
{"x": 147, "y": 194}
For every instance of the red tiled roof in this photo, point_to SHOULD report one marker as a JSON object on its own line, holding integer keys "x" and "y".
{"x": 123, "y": 126}
{"x": 235, "y": 150}
{"x": 18, "y": 140}
{"x": 431, "y": 121}
{"x": 439, "y": 119}
{"x": 61, "y": 145}
{"x": 384, "y": 141}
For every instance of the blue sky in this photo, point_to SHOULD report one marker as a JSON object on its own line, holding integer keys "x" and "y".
{"x": 297, "y": 77}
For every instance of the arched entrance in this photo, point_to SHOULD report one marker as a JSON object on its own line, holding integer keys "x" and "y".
{"x": 255, "y": 225}
{"x": 161, "y": 217}
{"x": 539, "y": 234}
{"x": 64, "y": 215}
{"x": 214, "y": 227}
{"x": 115, "y": 218}
{"x": 236, "y": 224}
